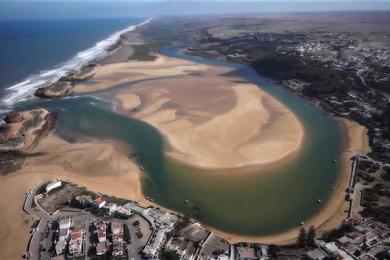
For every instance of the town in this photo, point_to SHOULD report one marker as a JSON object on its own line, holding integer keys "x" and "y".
{"x": 75, "y": 223}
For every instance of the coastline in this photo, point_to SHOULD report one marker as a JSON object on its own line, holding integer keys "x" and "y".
{"x": 328, "y": 217}
{"x": 25, "y": 89}
{"x": 16, "y": 184}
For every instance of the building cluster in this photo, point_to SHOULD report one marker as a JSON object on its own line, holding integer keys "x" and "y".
{"x": 366, "y": 240}
{"x": 100, "y": 203}
{"x": 162, "y": 223}
{"x": 69, "y": 239}
{"x": 195, "y": 242}
{"x": 116, "y": 241}
{"x": 162, "y": 232}
{"x": 343, "y": 51}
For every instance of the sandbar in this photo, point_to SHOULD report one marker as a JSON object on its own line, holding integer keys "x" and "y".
{"x": 209, "y": 116}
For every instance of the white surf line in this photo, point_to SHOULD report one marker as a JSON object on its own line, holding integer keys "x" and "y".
{"x": 25, "y": 90}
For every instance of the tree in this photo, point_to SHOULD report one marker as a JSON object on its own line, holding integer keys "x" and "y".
{"x": 311, "y": 237}
{"x": 169, "y": 255}
{"x": 273, "y": 250}
{"x": 302, "y": 237}
{"x": 126, "y": 234}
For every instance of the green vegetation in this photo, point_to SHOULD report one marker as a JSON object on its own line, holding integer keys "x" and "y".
{"x": 307, "y": 238}
{"x": 381, "y": 213}
{"x": 285, "y": 67}
{"x": 169, "y": 255}
{"x": 386, "y": 174}
{"x": 182, "y": 223}
{"x": 338, "y": 232}
{"x": 34, "y": 224}
{"x": 273, "y": 250}
{"x": 301, "y": 240}
{"x": 311, "y": 237}
{"x": 126, "y": 234}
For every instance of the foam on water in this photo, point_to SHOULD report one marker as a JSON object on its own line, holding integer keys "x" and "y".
{"x": 25, "y": 90}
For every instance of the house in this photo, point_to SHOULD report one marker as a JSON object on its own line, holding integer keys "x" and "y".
{"x": 65, "y": 223}
{"x": 99, "y": 202}
{"x": 246, "y": 253}
{"x": 116, "y": 228}
{"x": 102, "y": 236}
{"x": 112, "y": 207}
{"x": 53, "y": 185}
{"x": 101, "y": 248}
{"x": 155, "y": 242}
{"x": 63, "y": 234}
{"x": 76, "y": 242}
{"x": 60, "y": 247}
{"x": 317, "y": 254}
{"x": 101, "y": 227}
{"x": 124, "y": 210}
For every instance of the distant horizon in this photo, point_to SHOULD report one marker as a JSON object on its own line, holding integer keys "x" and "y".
{"x": 31, "y": 9}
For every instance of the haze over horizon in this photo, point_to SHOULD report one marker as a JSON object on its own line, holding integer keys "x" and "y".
{"x": 31, "y": 9}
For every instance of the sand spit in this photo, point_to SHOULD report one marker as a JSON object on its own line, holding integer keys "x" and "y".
{"x": 209, "y": 117}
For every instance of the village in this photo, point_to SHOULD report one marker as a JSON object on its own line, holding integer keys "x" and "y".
{"x": 74, "y": 223}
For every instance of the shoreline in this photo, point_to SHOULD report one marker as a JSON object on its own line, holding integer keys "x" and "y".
{"x": 332, "y": 214}
{"x": 328, "y": 217}
{"x": 24, "y": 89}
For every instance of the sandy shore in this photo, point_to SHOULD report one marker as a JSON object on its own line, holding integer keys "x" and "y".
{"x": 112, "y": 173}
{"x": 335, "y": 210}
{"x": 209, "y": 116}
{"x": 100, "y": 166}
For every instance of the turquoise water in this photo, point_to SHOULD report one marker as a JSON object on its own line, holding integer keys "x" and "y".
{"x": 246, "y": 201}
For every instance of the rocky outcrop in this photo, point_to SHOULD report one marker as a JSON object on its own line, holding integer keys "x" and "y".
{"x": 22, "y": 129}
{"x": 20, "y": 133}
{"x": 56, "y": 90}
{"x": 64, "y": 86}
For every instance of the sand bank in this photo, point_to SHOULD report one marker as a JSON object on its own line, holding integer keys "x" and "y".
{"x": 208, "y": 115}
{"x": 335, "y": 209}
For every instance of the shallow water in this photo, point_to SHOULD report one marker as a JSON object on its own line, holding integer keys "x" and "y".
{"x": 245, "y": 201}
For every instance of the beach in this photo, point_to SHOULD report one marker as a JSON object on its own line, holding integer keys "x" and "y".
{"x": 209, "y": 117}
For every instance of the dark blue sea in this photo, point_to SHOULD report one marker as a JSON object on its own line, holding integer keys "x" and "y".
{"x": 32, "y": 51}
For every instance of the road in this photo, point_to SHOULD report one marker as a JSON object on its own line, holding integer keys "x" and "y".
{"x": 43, "y": 216}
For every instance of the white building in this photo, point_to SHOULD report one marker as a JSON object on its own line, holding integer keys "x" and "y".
{"x": 60, "y": 247}
{"x": 112, "y": 207}
{"x": 116, "y": 228}
{"x": 155, "y": 242}
{"x": 63, "y": 234}
{"x": 124, "y": 210}
{"x": 65, "y": 223}
{"x": 52, "y": 185}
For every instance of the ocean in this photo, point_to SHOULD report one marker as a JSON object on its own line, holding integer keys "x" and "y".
{"x": 35, "y": 52}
